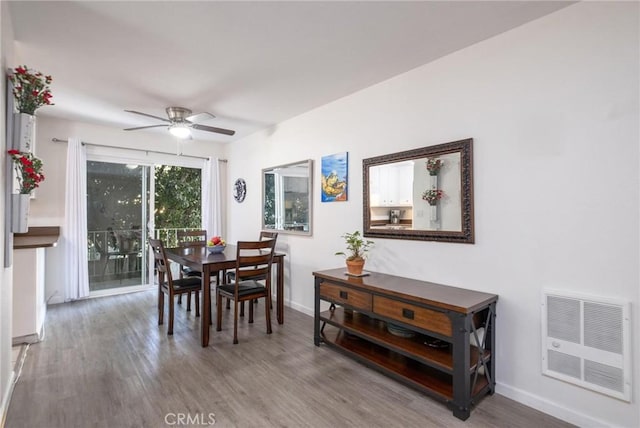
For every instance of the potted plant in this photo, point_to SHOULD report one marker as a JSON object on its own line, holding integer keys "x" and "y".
{"x": 357, "y": 249}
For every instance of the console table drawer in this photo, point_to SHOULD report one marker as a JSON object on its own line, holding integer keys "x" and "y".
{"x": 354, "y": 298}
{"x": 414, "y": 315}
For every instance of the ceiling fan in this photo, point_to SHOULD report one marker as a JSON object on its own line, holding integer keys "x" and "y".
{"x": 181, "y": 121}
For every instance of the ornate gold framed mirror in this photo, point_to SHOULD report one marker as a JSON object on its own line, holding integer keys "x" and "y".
{"x": 421, "y": 194}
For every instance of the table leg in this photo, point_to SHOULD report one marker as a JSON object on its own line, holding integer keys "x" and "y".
{"x": 280, "y": 290}
{"x": 205, "y": 312}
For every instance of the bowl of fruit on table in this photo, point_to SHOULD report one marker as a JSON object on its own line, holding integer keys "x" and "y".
{"x": 216, "y": 245}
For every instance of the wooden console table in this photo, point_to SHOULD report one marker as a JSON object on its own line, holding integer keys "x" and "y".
{"x": 449, "y": 355}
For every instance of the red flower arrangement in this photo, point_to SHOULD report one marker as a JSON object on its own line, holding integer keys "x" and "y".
{"x": 30, "y": 89}
{"x": 29, "y": 170}
{"x": 432, "y": 196}
{"x": 434, "y": 165}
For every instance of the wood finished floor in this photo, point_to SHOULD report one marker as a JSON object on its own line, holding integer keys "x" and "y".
{"x": 106, "y": 363}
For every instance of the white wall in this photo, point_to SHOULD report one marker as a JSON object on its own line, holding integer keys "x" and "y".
{"x": 6, "y": 279}
{"x": 47, "y": 209}
{"x": 553, "y": 110}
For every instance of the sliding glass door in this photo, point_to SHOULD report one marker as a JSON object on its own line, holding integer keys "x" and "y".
{"x": 130, "y": 199}
{"x": 117, "y": 221}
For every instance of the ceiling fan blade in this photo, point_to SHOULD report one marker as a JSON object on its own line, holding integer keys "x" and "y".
{"x": 148, "y": 115}
{"x": 199, "y": 117}
{"x": 213, "y": 129}
{"x": 144, "y": 127}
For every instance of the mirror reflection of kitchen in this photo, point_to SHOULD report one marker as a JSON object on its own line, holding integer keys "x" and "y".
{"x": 397, "y": 195}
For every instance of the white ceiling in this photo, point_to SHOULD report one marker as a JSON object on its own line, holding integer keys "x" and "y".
{"x": 252, "y": 64}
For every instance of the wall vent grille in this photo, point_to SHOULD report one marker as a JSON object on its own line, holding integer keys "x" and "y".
{"x": 586, "y": 341}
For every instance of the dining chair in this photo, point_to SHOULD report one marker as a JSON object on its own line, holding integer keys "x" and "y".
{"x": 172, "y": 287}
{"x": 264, "y": 235}
{"x": 253, "y": 266}
{"x": 187, "y": 239}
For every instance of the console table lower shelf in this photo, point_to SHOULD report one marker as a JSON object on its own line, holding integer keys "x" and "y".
{"x": 458, "y": 372}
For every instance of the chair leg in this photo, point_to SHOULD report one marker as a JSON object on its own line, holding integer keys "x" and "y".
{"x": 219, "y": 312}
{"x": 224, "y": 282}
{"x": 197, "y": 298}
{"x": 250, "y": 311}
{"x": 160, "y": 307}
{"x": 188, "y": 300}
{"x": 242, "y": 309}
{"x": 267, "y": 312}
{"x": 235, "y": 322}
{"x": 212, "y": 294}
{"x": 171, "y": 303}
{"x": 180, "y": 299}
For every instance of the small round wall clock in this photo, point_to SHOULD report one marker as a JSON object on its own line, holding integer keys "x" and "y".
{"x": 239, "y": 190}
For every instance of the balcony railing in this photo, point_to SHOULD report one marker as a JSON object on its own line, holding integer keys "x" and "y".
{"x": 117, "y": 254}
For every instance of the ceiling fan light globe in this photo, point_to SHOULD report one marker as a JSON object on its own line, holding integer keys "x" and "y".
{"x": 180, "y": 131}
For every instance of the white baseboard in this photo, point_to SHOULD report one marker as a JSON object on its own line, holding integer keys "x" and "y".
{"x": 300, "y": 308}
{"x": 55, "y": 300}
{"x": 6, "y": 398}
{"x": 546, "y": 406}
{"x": 29, "y": 338}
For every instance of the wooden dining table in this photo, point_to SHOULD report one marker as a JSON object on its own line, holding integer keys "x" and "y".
{"x": 199, "y": 258}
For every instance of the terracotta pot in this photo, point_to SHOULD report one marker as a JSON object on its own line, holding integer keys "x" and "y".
{"x": 354, "y": 267}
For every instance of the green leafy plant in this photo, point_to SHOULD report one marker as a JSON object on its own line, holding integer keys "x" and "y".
{"x": 357, "y": 246}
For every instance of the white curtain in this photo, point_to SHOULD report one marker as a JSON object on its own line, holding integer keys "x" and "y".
{"x": 75, "y": 223}
{"x": 211, "y": 199}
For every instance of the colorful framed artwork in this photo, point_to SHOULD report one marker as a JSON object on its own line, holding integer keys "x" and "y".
{"x": 334, "y": 176}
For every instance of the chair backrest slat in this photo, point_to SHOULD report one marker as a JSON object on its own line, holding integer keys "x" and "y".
{"x": 191, "y": 238}
{"x": 254, "y": 259}
{"x": 264, "y": 235}
{"x": 162, "y": 263}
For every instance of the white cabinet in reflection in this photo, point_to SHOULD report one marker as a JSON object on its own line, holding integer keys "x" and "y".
{"x": 391, "y": 185}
